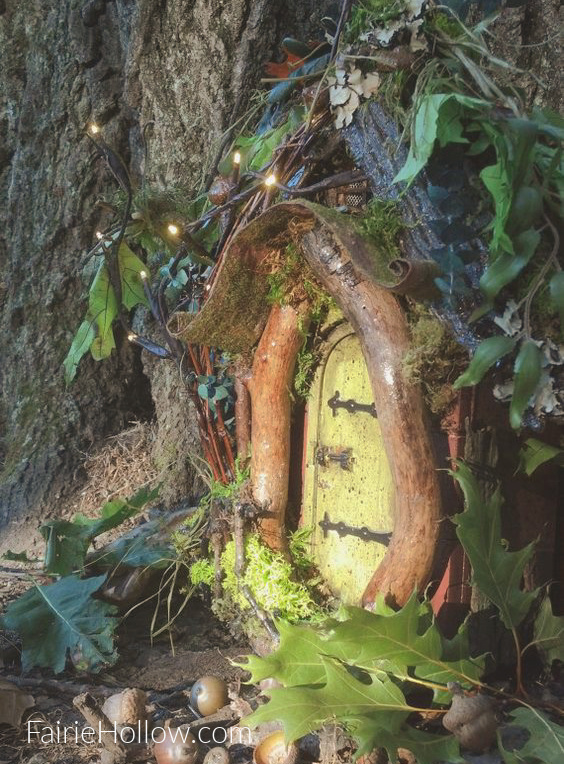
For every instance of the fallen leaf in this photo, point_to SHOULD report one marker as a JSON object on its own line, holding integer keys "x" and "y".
{"x": 510, "y": 322}
{"x": 13, "y": 703}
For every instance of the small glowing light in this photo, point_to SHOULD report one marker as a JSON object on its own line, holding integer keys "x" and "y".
{"x": 93, "y": 128}
{"x": 99, "y": 235}
{"x": 207, "y": 287}
{"x": 236, "y": 158}
{"x": 172, "y": 229}
{"x": 143, "y": 274}
{"x": 270, "y": 181}
{"x": 131, "y": 337}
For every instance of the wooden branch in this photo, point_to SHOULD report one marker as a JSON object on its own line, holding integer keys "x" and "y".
{"x": 273, "y": 370}
{"x": 115, "y": 750}
{"x": 242, "y": 414}
{"x": 378, "y": 320}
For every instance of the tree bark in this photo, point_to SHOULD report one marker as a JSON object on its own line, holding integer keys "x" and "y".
{"x": 178, "y": 72}
{"x": 269, "y": 386}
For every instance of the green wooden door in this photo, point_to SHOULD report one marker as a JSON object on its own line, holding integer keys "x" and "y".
{"x": 347, "y": 477}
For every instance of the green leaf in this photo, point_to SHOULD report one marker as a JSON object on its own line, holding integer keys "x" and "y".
{"x": 61, "y": 617}
{"x": 68, "y": 542}
{"x": 534, "y": 453}
{"x": 545, "y": 744}
{"x": 426, "y": 747}
{"x": 203, "y": 391}
{"x": 304, "y": 709}
{"x": 297, "y": 661}
{"x": 549, "y": 632}
{"x": 556, "y": 287}
{"x": 17, "y": 557}
{"x": 496, "y": 571}
{"x": 130, "y": 266}
{"x": 497, "y": 181}
{"x": 527, "y": 373}
{"x": 457, "y": 666}
{"x": 81, "y": 343}
{"x": 103, "y": 309}
{"x": 506, "y": 267}
{"x": 526, "y": 209}
{"x": 424, "y": 136}
{"x": 487, "y": 354}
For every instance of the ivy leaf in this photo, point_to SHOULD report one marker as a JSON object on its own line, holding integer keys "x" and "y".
{"x": 549, "y": 632}
{"x": 534, "y": 453}
{"x": 203, "y": 391}
{"x": 130, "y": 266}
{"x": 496, "y": 571}
{"x": 61, "y": 617}
{"x": 527, "y": 373}
{"x": 556, "y": 287}
{"x": 487, "y": 354}
{"x": 304, "y": 709}
{"x": 103, "y": 309}
{"x": 545, "y": 743}
{"x": 81, "y": 343}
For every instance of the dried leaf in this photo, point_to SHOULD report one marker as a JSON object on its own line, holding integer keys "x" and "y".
{"x": 13, "y": 703}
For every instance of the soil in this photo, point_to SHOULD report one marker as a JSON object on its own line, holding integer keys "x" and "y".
{"x": 166, "y": 669}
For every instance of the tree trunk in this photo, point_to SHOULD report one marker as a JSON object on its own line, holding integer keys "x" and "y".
{"x": 183, "y": 70}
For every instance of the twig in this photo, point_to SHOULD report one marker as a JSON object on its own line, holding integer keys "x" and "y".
{"x": 345, "y": 10}
{"x": 60, "y": 687}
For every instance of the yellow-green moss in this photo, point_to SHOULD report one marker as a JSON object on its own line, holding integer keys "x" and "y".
{"x": 435, "y": 359}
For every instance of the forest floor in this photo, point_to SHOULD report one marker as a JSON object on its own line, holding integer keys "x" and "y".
{"x": 202, "y": 646}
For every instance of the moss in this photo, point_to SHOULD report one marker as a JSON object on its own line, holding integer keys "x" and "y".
{"x": 369, "y": 13}
{"x": 270, "y": 577}
{"x": 202, "y": 572}
{"x": 435, "y": 359}
{"x": 383, "y": 224}
{"x": 444, "y": 23}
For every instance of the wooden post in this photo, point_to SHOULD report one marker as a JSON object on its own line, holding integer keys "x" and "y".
{"x": 269, "y": 387}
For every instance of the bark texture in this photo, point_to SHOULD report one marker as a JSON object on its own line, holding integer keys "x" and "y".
{"x": 179, "y": 69}
{"x": 269, "y": 386}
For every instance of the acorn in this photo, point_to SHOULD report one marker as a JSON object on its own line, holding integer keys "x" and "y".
{"x": 471, "y": 719}
{"x": 217, "y": 755}
{"x": 220, "y": 190}
{"x": 177, "y": 746}
{"x": 273, "y": 750}
{"x": 208, "y": 695}
{"x": 126, "y": 708}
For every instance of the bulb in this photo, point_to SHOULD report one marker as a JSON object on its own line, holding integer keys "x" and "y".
{"x": 143, "y": 274}
{"x": 131, "y": 337}
{"x": 236, "y": 158}
{"x": 172, "y": 229}
{"x": 93, "y": 128}
{"x": 270, "y": 180}
{"x": 99, "y": 235}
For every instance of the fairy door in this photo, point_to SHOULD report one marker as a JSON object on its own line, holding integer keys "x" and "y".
{"x": 348, "y": 490}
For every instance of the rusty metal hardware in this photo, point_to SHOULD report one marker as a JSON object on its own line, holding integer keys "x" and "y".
{"x": 343, "y": 456}
{"x": 350, "y": 405}
{"x": 364, "y": 533}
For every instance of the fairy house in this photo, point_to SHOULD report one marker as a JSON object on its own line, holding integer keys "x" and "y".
{"x": 364, "y": 464}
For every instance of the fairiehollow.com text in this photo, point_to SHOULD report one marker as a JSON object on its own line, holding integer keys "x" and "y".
{"x": 46, "y": 734}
